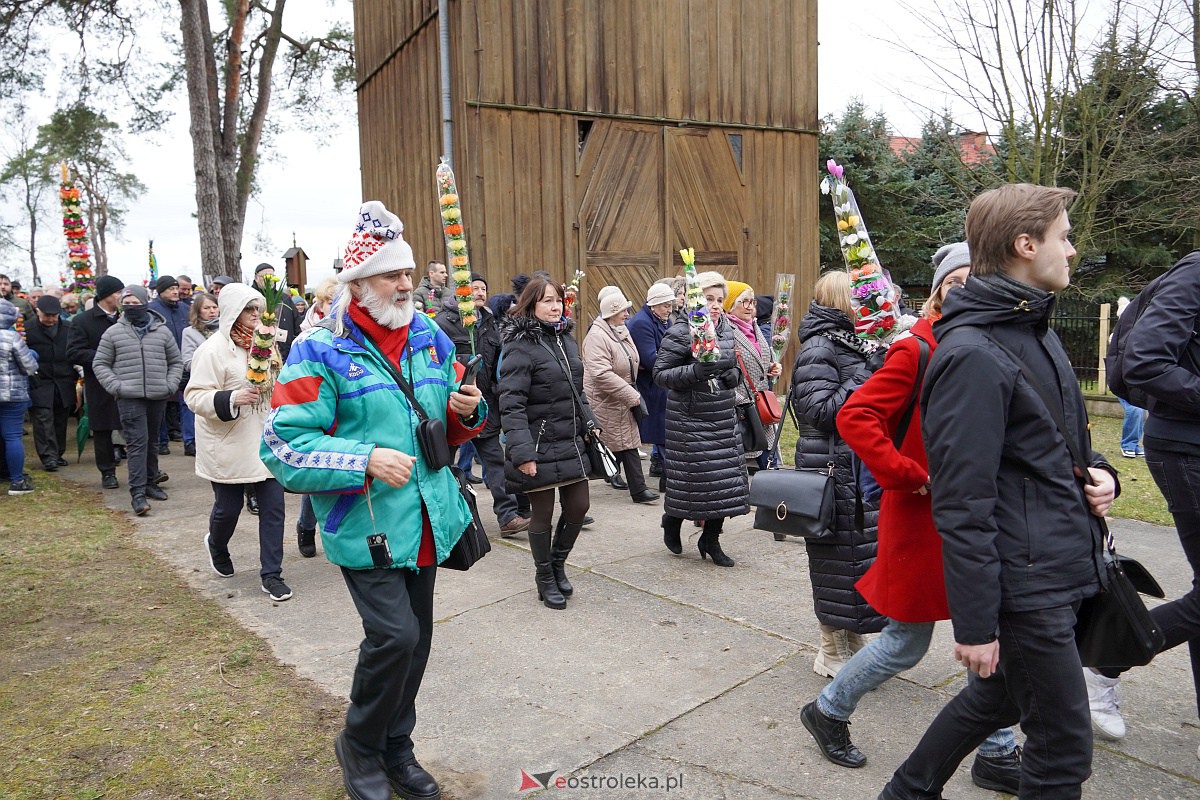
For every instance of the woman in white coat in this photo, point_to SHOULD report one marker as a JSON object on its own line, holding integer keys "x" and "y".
{"x": 230, "y": 416}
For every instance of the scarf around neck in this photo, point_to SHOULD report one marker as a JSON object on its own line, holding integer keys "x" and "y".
{"x": 747, "y": 329}
{"x": 242, "y": 335}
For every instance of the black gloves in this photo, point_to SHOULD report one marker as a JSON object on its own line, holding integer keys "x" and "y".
{"x": 708, "y": 369}
{"x": 731, "y": 378}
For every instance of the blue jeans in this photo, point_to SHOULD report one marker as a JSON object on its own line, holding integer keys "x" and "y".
{"x": 899, "y": 647}
{"x": 1131, "y": 428}
{"x": 187, "y": 421}
{"x": 308, "y": 518}
{"x": 12, "y": 418}
{"x": 1040, "y": 684}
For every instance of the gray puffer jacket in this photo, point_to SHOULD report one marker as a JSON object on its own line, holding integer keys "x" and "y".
{"x": 705, "y": 465}
{"x": 825, "y": 374}
{"x": 139, "y": 366}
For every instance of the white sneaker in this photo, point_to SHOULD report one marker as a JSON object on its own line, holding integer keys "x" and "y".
{"x": 1104, "y": 704}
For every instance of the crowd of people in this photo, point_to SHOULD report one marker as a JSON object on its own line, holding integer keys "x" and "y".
{"x": 526, "y": 385}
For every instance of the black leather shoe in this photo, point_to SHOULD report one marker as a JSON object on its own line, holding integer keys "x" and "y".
{"x": 618, "y": 482}
{"x": 364, "y": 776}
{"x": 252, "y": 504}
{"x": 51, "y": 467}
{"x": 473, "y": 478}
{"x": 164, "y": 450}
{"x": 109, "y": 480}
{"x": 587, "y": 521}
{"x": 412, "y": 782}
{"x": 154, "y": 492}
{"x": 645, "y": 496}
{"x": 833, "y": 737}
{"x": 62, "y": 462}
{"x": 998, "y": 773}
{"x": 655, "y": 466}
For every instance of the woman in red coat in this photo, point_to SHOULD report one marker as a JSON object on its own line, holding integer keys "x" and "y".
{"x": 905, "y": 583}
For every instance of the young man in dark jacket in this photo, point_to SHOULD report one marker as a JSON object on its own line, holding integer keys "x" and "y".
{"x": 103, "y": 416}
{"x": 1021, "y": 541}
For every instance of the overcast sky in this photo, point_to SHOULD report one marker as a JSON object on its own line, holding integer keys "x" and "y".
{"x": 313, "y": 189}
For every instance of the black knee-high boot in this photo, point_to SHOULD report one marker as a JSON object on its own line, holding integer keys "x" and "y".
{"x": 565, "y": 535}
{"x": 710, "y": 543}
{"x": 539, "y": 545}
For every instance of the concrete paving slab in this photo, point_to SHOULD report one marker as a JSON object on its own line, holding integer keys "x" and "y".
{"x": 661, "y": 665}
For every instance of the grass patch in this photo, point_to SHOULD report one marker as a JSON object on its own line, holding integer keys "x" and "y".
{"x": 1140, "y": 498}
{"x": 118, "y": 681}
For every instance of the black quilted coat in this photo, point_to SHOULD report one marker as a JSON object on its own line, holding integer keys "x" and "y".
{"x": 705, "y": 466}
{"x": 537, "y": 409}
{"x": 825, "y": 373}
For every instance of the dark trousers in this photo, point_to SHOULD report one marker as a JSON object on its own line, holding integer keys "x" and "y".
{"x": 172, "y": 420}
{"x": 1040, "y": 684}
{"x": 632, "y": 461}
{"x": 1178, "y": 478}
{"x": 140, "y": 420}
{"x": 491, "y": 455}
{"x": 227, "y": 507}
{"x": 396, "y": 606}
{"x": 50, "y": 432}
{"x": 106, "y": 457}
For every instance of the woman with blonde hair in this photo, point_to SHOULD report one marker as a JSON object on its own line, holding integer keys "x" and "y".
{"x": 832, "y": 363}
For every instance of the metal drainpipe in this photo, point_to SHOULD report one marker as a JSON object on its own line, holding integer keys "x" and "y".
{"x": 444, "y": 64}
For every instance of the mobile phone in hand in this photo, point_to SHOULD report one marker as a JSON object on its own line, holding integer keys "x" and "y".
{"x": 472, "y": 370}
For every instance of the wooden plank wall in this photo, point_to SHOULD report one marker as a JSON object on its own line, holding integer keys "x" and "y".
{"x": 527, "y": 71}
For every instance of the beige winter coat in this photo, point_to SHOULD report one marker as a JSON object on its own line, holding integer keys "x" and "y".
{"x": 227, "y": 438}
{"x": 610, "y": 364}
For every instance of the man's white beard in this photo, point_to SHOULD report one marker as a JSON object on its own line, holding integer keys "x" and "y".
{"x": 383, "y": 309}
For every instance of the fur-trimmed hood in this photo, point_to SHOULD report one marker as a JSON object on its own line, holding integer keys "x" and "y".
{"x": 513, "y": 329}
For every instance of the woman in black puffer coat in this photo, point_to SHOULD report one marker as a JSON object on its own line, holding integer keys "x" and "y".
{"x": 705, "y": 466}
{"x": 832, "y": 363}
{"x": 544, "y": 428}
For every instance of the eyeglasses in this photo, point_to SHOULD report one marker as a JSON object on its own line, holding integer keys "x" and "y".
{"x": 950, "y": 283}
{"x": 751, "y": 303}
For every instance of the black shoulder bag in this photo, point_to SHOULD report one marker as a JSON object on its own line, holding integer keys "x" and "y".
{"x": 602, "y": 463}
{"x": 473, "y": 544}
{"x": 795, "y": 502}
{"x": 1113, "y": 628}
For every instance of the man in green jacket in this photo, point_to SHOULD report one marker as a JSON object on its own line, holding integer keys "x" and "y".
{"x": 344, "y": 432}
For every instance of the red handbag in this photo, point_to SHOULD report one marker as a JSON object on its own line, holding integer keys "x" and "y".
{"x": 765, "y": 400}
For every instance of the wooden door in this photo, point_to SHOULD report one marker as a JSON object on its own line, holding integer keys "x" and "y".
{"x": 705, "y": 199}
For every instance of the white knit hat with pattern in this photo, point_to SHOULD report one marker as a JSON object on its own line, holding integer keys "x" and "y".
{"x": 377, "y": 245}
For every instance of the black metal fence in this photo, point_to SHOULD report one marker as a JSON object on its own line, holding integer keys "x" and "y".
{"x": 1077, "y": 323}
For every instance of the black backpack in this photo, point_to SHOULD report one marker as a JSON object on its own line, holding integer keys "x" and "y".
{"x": 1114, "y": 359}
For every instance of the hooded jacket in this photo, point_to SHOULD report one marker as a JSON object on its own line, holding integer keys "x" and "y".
{"x": 1162, "y": 358}
{"x": 705, "y": 466}
{"x": 17, "y": 361}
{"x": 139, "y": 366}
{"x": 227, "y": 436}
{"x": 539, "y": 415}
{"x": 824, "y": 375}
{"x": 1017, "y": 533}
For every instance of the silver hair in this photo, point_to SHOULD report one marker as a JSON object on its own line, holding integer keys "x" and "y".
{"x": 340, "y": 307}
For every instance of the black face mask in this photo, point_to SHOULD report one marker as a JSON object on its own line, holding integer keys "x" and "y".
{"x": 139, "y": 316}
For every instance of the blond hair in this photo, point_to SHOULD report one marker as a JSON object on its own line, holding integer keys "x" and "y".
{"x": 833, "y": 291}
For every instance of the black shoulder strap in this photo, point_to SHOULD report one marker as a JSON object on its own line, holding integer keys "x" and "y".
{"x": 404, "y": 385}
{"x": 906, "y": 418}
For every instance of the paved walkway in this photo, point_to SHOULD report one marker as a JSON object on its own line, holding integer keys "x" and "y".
{"x": 661, "y": 668}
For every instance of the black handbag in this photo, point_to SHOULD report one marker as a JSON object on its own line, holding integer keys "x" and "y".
{"x": 754, "y": 435}
{"x": 473, "y": 544}
{"x": 797, "y": 502}
{"x": 1113, "y": 629}
{"x": 602, "y": 462}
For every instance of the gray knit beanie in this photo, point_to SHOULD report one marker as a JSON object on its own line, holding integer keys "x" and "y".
{"x": 948, "y": 258}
